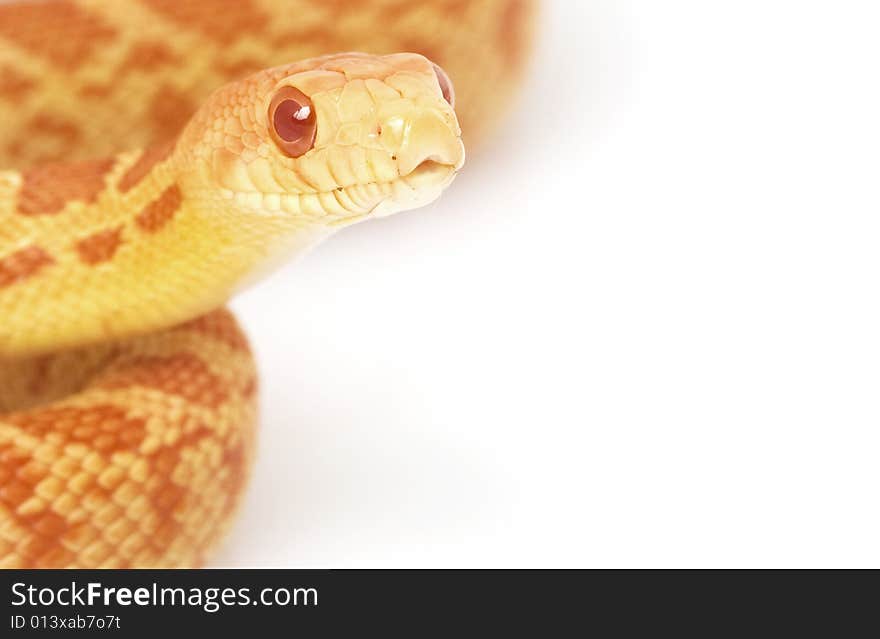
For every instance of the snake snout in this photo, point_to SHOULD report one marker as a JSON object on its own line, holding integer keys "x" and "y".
{"x": 431, "y": 140}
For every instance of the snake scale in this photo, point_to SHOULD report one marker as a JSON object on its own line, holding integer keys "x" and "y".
{"x": 159, "y": 155}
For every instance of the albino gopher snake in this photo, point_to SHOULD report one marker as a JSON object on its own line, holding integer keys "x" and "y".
{"x": 127, "y": 401}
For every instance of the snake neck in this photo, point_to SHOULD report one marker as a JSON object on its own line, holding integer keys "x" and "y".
{"x": 106, "y": 249}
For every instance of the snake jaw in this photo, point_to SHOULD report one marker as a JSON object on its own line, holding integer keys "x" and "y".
{"x": 419, "y": 188}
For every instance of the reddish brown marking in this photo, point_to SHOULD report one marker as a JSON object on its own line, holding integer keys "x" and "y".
{"x": 212, "y": 19}
{"x": 170, "y": 499}
{"x": 250, "y": 388}
{"x": 105, "y": 428}
{"x": 47, "y": 188}
{"x": 167, "y": 498}
{"x": 319, "y": 39}
{"x": 147, "y": 56}
{"x": 237, "y": 69}
{"x": 51, "y": 125}
{"x": 160, "y": 211}
{"x": 19, "y": 476}
{"x": 49, "y": 31}
{"x": 456, "y": 7}
{"x": 221, "y": 326}
{"x": 144, "y": 57}
{"x": 232, "y": 473}
{"x": 389, "y": 13}
{"x": 22, "y": 264}
{"x": 235, "y": 467}
{"x": 144, "y": 164}
{"x": 72, "y": 424}
{"x": 13, "y": 85}
{"x": 169, "y": 110}
{"x": 56, "y": 556}
{"x": 99, "y": 247}
{"x": 96, "y": 91}
{"x": 47, "y": 126}
{"x": 42, "y": 544}
{"x": 183, "y": 374}
{"x": 512, "y": 32}
{"x": 54, "y": 137}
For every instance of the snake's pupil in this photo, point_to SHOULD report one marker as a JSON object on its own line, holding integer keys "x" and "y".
{"x": 292, "y": 120}
{"x": 294, "y": 124}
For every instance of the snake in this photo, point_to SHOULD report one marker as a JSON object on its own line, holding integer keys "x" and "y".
{"x": 156, "y": 157}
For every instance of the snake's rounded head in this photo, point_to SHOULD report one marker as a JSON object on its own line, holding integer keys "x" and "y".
{"x": 333, "y": 140}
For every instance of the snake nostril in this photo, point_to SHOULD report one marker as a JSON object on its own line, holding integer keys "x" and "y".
{"x": 445, "y": 85}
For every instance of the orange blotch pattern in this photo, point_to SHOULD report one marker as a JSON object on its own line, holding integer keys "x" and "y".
{"x": 143, "y": 57}
{"x": 144, "y": 164}
{"x": 323, "y": 40}
{"x": 49, "y": 32}
{"x": 104, "y": 506}
{"x": 14, "y": 86}
{"x": 94, "y": 91}
{"x": 41, "y": 128}
{"x": 135, "y": 481}
{"x": 160, "y": 211}
{"x": 19, "y": 477}
{"x": 49, "y": 125}
{"x": 513, "y": 32}
{"x": 46, "y": 189}
{"x": 235, "y": 465}
{"x": 99, "y": 247}
{"x": 169, "y": 111}
{"x": 238, "y": 68}
{"x": 22, "y": 264}
{"x": 182, "y": 374}
{"x": 250, "y": 388}
{"x": 211, "y": 19}
{"x": 147, "y": 56}
{"x": 105, "y": 427}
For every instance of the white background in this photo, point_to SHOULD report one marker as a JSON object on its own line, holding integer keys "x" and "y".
{"x": 641, "y": 329}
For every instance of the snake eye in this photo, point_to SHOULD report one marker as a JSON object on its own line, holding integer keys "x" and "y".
{"x": 445, "y": 85}
{"x": 292, "y": 121}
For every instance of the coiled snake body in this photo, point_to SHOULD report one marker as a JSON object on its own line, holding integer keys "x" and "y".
{"x": 140, "y": 201}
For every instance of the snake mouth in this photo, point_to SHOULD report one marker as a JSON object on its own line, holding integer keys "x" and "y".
{"x": 353, "y": 202}
{"x": 428, "y": 170}
{"x": 347, "y": 204}
{"x": 419, "y": 187}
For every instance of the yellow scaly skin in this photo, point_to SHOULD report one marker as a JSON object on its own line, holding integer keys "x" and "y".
{"x": 129, "y": 400}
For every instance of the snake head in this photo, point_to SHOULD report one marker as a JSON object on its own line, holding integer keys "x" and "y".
{"x": 331, "y": 141}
